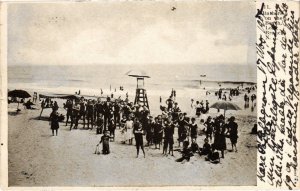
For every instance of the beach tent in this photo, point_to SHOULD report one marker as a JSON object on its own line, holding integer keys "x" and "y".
{"x": 69, "y": 96}
{"x": 59, "y": 96}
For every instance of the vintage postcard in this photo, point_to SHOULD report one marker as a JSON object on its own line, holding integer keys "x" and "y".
{"x": 149, "y": 94}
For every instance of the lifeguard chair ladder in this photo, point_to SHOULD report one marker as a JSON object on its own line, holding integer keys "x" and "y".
{"x": 141, "y": 94}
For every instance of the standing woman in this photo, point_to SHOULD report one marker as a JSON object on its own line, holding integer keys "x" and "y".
{"x": 233, "y": 132}
{"x": 220, "y": 139}
{"x": 138, "y": 134}
{"x": 54, "y": 118}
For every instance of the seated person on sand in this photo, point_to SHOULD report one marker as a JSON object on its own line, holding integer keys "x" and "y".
{"x": 195, "y": 147}
{"x": 206, "y": 149}
{"x": 213, "y": 156}
{"x": 28, "y": 104}
{"x": 186, "y": 153}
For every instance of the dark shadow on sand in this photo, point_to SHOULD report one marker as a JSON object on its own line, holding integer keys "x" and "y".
{"x": 13, "y": 113}
{"x": 48, "y": 135}
{"x": 42, "y": 118}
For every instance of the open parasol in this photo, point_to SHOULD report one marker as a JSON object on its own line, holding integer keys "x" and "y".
{"x": 19, "y": 94}
{"x": 226, "y": 105}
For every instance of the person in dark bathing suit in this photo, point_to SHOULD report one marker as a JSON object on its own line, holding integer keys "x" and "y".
{"x": 69, "y": 109}
{"x": 105, "y": 143}
{"x": 233, "y": 132}
{"x": 82, "y": 111}
{"x": 181, "y": 123}
{"x": 54, "y": 122}
{"x": 206, "y": 149}
{"x": 193, "y": 130}
{"x": 138, "y": 134}
{"x": 186, "y": 152}
{"x": 209, "y": 128}
{"x": 75, "y": 116}
{"x": 112, "y": 128}
{"x": 158, "y": 131}
{"x": 220, "y": 139}
{"x": 90, "y": 114}
{"x": 168, "y": 140}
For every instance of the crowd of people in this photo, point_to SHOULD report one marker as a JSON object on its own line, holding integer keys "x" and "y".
{"x": 135, "y": 123}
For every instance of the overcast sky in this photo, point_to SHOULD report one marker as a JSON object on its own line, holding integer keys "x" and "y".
{"x": 131, "y": 33}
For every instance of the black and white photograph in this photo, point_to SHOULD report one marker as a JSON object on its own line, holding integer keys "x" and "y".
{"x": 138, "y": 93}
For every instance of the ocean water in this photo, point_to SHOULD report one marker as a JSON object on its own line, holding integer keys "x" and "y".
{"x": 90, "y": 79}
{"x": 68, "y": 79}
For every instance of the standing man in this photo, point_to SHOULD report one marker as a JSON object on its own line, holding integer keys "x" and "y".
{"x": 75, "y": 115}
{"x": 107, "y": 112}
{"x": 82, "y": 110}
{"x": 69, "y": 108}
{"x": 90, "y": 114}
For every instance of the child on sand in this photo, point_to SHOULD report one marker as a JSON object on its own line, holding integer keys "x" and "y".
{"x": 129, "y": 129}
{"x": 105, "y": 143}
{"x": 54, "y": 122}
{"x": 112, "y": 128}
{"x": 123, "y": 128}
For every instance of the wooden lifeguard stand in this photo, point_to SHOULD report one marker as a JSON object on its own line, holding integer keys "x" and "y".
{"x": 141, "y": 94}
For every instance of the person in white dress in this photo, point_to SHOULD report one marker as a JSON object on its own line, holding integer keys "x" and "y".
{"x": 129, "y": 130}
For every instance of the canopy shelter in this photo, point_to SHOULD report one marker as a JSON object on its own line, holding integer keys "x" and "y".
{"x": 226, "y": 105}
{"x": 59, "y": 96}
{"x": 139, "y": 75}
{"x": 70, "y": 96}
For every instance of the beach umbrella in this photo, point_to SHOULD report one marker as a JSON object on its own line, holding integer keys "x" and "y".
{"x": 19, "y": 94}
{"x": 226, "y": 105}
{"x": 137, "y": 74}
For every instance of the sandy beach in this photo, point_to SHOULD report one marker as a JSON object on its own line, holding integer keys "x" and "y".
{"x": 35, "y": 158}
